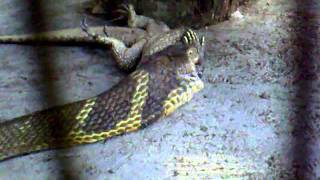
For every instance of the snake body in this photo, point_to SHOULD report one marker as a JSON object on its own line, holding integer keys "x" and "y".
{"x": 164, "y": 82}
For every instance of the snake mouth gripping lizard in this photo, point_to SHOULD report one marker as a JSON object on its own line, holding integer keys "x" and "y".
{"x": 165, "y": 76}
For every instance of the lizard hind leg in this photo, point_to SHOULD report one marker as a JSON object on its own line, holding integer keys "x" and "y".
{"x": 140, "y": 21}
{"x": 123, "y": 12}
{"x": 125, "y": 57}
{"x": 128, "y": 11}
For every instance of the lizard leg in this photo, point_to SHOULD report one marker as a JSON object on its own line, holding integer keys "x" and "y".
{"x": 140, "y": 21}
{"x": 125, "y": 57}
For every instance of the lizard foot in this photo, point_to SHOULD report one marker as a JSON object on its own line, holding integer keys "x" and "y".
{"x": 124, "y": 9}
{"x": 190, "y": 37}
{"x": 128, "y": 11}
{"x": 103, "y": 39}
{"x": 85, "y": 28}
{"x": 105, "y": 32}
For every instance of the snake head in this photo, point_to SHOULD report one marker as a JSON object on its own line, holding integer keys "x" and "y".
{"x": 189, "y": 61}
{"x": 181, "y": 61}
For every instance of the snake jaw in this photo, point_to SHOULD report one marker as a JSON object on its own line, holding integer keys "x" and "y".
{"x": 196, "y": 85}
{"x": 190, "y": 84}
{"x": 193, "y": 82}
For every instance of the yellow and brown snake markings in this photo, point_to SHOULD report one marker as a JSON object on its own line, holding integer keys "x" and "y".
{"x": 181, "y": 95}
{"x": 131, "y": 123}
{"x": 161, "y": 83}
{"x": 85, "y": 110}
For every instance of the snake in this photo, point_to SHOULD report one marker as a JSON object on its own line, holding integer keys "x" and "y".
{"x": 160, "y": 84}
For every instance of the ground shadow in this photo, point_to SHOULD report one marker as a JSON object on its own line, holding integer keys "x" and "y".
{"x": 45, "y": 60}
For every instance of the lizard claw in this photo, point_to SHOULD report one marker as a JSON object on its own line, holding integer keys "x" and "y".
{"x": 83, "y": 25}
{"x": 126, "y": 11}
{"x": 123, "y": 9}
{"x": 203, "y": 41}
{"x": 190, "y": 37}
{"x": 85, "y": 28}
{"x": 105, "y": 31}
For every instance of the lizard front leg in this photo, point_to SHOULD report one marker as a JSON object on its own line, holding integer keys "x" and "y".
{"x": 125, "y": 57}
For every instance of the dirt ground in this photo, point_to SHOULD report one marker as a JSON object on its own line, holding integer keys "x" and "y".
{"x": 241, "y": 126}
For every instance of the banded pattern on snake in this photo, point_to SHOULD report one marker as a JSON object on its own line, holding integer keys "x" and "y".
{"x": 162, "y": 83}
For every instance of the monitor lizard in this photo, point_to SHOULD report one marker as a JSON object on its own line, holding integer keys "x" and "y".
{"x": 143, "y": 36}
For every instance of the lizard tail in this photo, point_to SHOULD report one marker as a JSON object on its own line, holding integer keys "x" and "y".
{"x": 75, "y": 35}
{"x": 39, "y": 38}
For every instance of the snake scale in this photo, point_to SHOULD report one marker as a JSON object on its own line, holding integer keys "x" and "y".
{"x": 155, "y": 89}
{"x": 161, "y": 82}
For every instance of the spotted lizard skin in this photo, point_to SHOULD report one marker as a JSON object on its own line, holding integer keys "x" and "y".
{"x": 144, "y": 36}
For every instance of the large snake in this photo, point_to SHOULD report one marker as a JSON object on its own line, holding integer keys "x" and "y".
{"x": 160, "y": 84}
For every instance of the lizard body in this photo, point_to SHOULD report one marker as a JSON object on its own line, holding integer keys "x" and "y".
{"x": 143, "y": 36}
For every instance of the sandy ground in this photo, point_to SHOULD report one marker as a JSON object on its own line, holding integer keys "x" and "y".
{"x": 239, "y": 127}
